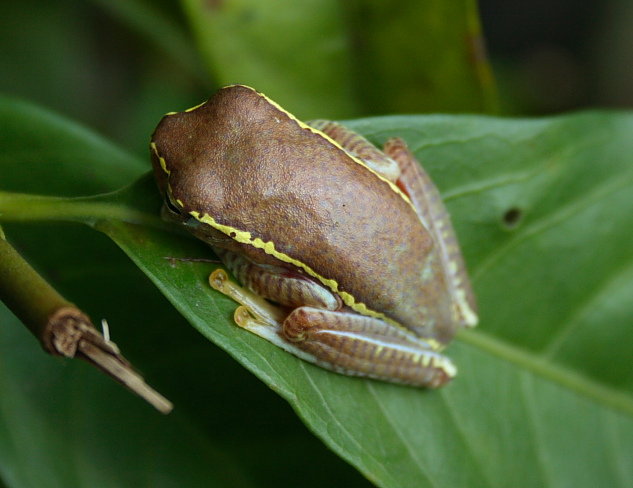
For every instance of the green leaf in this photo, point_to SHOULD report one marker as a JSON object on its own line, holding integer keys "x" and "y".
{"x": 544, "y": 212}
{"x": 329, "y": 59}
{"x": 546, "y": 230}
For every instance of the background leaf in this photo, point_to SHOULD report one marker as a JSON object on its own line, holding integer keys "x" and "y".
{"x": 329, "y": 59}
{"x": 305, "y": 64}
{"x": 397, "y": 69}
{"x": 45, "y": 153}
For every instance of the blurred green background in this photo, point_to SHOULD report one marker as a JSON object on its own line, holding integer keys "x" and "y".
{"x": 117, "y": 66}
{"x": 101, "y": 64}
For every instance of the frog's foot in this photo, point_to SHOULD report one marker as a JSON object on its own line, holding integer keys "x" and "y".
{"x": 264, "y": 311}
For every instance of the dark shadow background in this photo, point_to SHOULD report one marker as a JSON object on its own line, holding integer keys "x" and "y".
{"x": 552, "y": 56}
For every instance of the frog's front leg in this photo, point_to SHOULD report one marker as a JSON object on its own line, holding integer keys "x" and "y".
{"x": 341, "y": 341}
{"x": 278, "y": 284}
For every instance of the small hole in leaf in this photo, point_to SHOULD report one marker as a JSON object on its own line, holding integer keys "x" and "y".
{"x": 512, "y": 218}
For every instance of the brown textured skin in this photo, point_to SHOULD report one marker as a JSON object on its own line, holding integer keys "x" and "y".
{"x": 250, "y": 166}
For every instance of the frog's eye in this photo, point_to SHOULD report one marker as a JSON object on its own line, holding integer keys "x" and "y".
{"x": 172, "y": 208}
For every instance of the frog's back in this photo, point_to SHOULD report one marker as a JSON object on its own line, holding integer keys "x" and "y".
{"x": 262, "y": 172}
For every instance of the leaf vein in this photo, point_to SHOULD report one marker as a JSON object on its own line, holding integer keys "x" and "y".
{"x": 602, "y": 291}
{"x": 603, "y": 394}
{"x": 405, "y": 442}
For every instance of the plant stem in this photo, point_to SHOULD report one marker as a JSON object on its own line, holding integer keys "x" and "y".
{"x": 25, "y": 292}
{"x": 62, "y": 328}
{"x": 24, "y": 207}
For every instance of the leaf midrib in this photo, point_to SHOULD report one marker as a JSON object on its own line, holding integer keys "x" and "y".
{"x": 604, "y": 395}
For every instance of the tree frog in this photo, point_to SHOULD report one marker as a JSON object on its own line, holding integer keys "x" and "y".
{"x": 345, "y": 253}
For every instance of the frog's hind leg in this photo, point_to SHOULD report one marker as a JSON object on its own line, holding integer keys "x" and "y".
{"x": 424, "y": 195}
{"x": 357, "y": 345}
{"x": 359, "y": 147}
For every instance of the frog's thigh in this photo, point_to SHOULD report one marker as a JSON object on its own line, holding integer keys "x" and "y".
{"x": 364, "y": 346}
{"x": 426, "y": 198}
{"x": 279, "y": 284}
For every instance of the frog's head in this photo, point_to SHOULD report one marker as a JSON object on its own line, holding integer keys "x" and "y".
{"x": 206, "y": 158}
{"x": 180, "y": 152}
